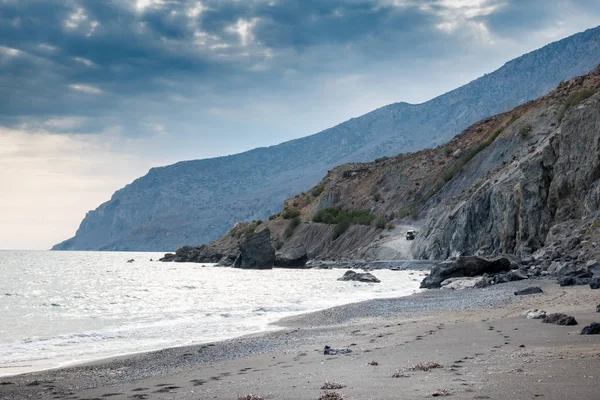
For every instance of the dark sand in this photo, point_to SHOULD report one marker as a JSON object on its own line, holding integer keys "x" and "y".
{"x": 487, "y": 348}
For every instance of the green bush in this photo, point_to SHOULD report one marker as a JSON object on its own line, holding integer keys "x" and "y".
{"x": 380, "y": 223}
{"x": 290, "y": 213}
{"x": 573, "y": 100}
{"x": 272, "y": 217}
{"x": 289, "y": 230}
{"x": 402, "y": 213}
{"x": 343, "y": 219}
{"x": 525, "y": 130}
{"x": 316, "y": 192}
{"x": 390, "y": 227}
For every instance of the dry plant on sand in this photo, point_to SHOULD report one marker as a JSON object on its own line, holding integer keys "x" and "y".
{"x": 425, "y": 366}
{"x": 331, "y": 395}
{"x": 373, "y": 363}
{"x": 400, "y": 374}
{"x": 332, "y": 385}
{"x": 441, "y": 392}
{"x": 250, "y": 397}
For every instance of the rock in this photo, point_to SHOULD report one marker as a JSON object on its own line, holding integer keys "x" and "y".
{"x": 595, "y": 283}
{"x": 598, "y": 308}
{"x": 227, "y": 261}
{"x": 529, "y": 290}
{"x": 464, "y": 267}
{"x": 256, "y": 252}
{"x": 329, "y": 351}
{"x": 593, "y": 329}
{"x": 516, "y": 275}
{"x": 559, "y": 319}
{"x": 359, "y": 277}
{"x": 457, "y": 153}
{"x": 169, "y": 257}
{"x": 535, "y": 314}
{"x": 464, "y": 283}
{"x": 130, "y": 260}
{"x": 593, "y": 267}
{"x": 572, "y": 281}
{"x": 291, "y": 257}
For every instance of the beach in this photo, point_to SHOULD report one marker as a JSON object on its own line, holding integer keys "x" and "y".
{"x": 479, "y": 341}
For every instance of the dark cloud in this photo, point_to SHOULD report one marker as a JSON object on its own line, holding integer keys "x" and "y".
{"x": 122, "y": 60}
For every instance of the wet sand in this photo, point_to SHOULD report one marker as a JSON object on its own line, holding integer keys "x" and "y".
{"x": 487, "y": 350}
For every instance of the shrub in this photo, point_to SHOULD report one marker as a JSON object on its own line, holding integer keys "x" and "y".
{"x": 376, "y": 197}
{"x": 525, "y": 130}
{"x": 272, "y": 217}
{"x": 402, "y": 213}
{"x": 573, "y": 100}
{"x": 390, "y": 227}
{"x": 380, "y": 223}
{"x": 316, "y": 192}
{"x": 342, "y": 219}
{"x": 290, "y": 213}
{"x": 289, "y": 230}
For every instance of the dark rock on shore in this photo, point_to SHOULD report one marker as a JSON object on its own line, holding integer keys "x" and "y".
{"x": 598, "y": 308}
{"x": 593, "y": 329}
{"x": 570, "y": 275}
{"x": 595, "y": 283}
{"x": 359, "y": 277}
{"x": 529, "y": 290}
{"x": 197, "y": 254}
{"x": 292, "y": 257}
{"x": 330, "y": 351}
{"x": 256, "y": 252}
{"x": 559, "y": 319}
{"x": 465, "y": 267}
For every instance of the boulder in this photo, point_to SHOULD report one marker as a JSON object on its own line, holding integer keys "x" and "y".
{"x": 464, "y": 283}
{"x": 516, "y": 275}
{"x": 465, "y": 267}
{"x": 535, "y": 314}
{"x": 573, "y": 281}
{"x": 169, "y": 257}
{"x": 359, "y": 277}
{"x": 227, "y": 261}
{"x": 529, "y": 290}
{"x": 593, "y": 267}
{"x": 559, "y": 319}
{"x": 256, "y": 252}
{"x": 291, "y": 257}
{"x": 330, "y": 351}
{"x": 598, "y": 308}
{"x": 595, "y": 283}
{"x": 593, "y": 329}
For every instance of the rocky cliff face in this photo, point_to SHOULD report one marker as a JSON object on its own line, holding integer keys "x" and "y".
{"x": 525, "y": 182}
{"x": 196, "y": 201}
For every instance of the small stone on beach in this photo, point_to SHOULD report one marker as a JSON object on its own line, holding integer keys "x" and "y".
{"x": 529, "y": 290}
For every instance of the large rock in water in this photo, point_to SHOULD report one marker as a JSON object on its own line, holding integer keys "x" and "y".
{"x": 197, "y": 254}
{"x": 464, "y": 266}
{"x": 359, "y": 277}
{"x": 256, "y": 252}
{"x": 291, "y": 257}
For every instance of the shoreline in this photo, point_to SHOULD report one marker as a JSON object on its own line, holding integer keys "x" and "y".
{"x": 296, "y": 335}
{"x": 271, "y": 326}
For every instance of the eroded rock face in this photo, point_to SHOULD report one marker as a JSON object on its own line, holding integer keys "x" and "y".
{"x": 524, "y": 192}
{"x": 256, "y": 252}
{"x": 359, "y": 277}
{"x": 464, "y": 267}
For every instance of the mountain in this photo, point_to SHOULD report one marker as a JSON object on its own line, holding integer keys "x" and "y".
{"x": 525, "y": 183}
{"x": 194, "y": 202}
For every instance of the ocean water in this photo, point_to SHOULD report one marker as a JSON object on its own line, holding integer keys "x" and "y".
{"x": 61, "y": 308}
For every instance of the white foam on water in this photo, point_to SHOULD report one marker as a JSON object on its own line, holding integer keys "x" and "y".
{"x": 61, "y": 308}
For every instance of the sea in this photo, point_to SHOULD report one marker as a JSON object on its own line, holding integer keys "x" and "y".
{"x": 64, "y": 308}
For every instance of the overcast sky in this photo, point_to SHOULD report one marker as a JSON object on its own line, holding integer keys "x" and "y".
{"x": 95, "y": 92}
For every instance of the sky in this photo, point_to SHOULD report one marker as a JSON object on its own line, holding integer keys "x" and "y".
{"x": 96, "y": 92}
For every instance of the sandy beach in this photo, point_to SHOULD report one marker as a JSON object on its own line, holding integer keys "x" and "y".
{"x": 482, "y": 346}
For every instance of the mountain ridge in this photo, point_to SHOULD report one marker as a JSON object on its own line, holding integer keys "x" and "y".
{"x": 193, "y": 202}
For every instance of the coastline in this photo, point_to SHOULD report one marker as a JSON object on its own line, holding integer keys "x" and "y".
{"x": 382, "y": 329}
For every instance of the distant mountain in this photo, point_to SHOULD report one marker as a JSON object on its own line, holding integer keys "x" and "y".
{"x": 195, "y": 202}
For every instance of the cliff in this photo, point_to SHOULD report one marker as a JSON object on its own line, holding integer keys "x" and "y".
{"x": 525, "y": 182}
{"x": 197, "y": 201}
